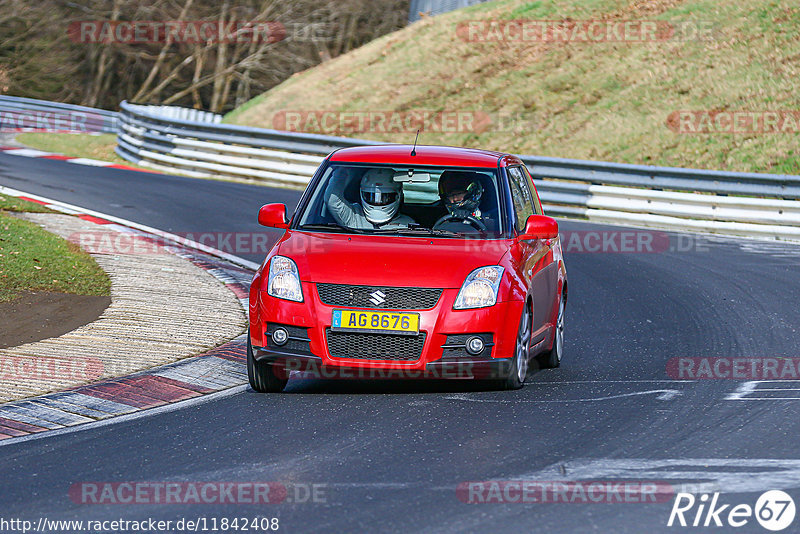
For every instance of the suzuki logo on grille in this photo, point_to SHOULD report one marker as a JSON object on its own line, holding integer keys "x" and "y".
{"x": 378, "y": 297}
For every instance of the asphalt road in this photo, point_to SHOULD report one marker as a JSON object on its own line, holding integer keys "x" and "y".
{"x": 389, "y": 456}
{"x": 184, "y": 206}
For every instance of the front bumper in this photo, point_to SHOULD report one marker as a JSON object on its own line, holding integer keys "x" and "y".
{"x": 309, "y": 366}
{"x": 311, "y": 319}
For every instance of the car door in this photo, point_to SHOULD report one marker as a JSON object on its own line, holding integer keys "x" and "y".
{"x": 539, "y": 267}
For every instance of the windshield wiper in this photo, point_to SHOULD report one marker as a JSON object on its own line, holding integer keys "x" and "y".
{"x": 417, "y": 231}
{"x": 330, "y": 226}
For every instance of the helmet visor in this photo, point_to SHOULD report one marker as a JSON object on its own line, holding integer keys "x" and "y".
{"x": 463, "y": 198}
{"x": 379, "y": 198}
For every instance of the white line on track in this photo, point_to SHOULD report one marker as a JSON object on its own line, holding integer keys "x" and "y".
{"x": 28, "y": 152}
{"x": 748, "y": 388}
{"x": 727, "y": 475}
{"x": 608, "y": 382}
{"x": 664, "y": 394}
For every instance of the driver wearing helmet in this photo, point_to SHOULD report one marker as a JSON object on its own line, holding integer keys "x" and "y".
{"x": 380, "y": 196}
{"x": 461, "y": 193}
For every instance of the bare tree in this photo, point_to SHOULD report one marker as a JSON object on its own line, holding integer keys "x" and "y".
{"x": 41, "y": 58}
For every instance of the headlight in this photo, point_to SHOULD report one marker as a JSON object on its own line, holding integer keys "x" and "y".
{"x": 480, "y": 288}
{"x": 284, "y": 281}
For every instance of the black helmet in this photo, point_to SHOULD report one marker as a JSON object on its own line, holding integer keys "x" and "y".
{"x": 461, "y": 192}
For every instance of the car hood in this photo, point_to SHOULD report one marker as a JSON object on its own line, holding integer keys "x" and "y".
{"x": 388, "y": 260}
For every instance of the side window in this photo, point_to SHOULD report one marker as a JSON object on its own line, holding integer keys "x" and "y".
{"x": 521, "y": 197}
{"x": 536, "y": 204}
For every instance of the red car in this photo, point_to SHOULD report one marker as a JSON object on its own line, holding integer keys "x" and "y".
{"x": 412, "y": 262}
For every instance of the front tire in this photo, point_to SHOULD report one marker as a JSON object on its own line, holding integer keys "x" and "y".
{"x": 519, "y": 364}
{"x": 262, "y": 375}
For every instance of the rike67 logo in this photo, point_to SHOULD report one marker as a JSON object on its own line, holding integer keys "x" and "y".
{"x": 774, "y": 510}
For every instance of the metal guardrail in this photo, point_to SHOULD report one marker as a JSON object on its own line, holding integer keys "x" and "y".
{"x": 178, "y": 112}
{"x": 746, "y": 204}
{"x": 19, "y": 114}
{"x": 208, "y": 149}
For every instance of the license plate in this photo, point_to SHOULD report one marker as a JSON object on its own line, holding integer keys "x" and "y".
{"x": 375, "y": 322}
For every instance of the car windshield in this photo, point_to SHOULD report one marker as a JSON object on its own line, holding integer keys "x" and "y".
{"x": 400, "y": 200}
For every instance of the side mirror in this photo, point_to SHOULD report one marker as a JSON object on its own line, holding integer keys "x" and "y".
{"x": 540, "y": 227}
{"x": 274, "y": 216}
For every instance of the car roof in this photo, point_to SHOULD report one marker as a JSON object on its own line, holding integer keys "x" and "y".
{"x": 425, "y": 155}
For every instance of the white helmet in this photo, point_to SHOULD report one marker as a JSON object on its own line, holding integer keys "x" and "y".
{"x": 380, "y": 195}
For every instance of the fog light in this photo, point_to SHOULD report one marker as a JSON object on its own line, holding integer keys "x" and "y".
{"x": 280, "y": 336}
{"x": 475, "y": 345}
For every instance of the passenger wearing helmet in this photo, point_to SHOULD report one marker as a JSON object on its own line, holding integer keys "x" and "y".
{"x": 381, "y": 198}
{"x": 461, "y": 193}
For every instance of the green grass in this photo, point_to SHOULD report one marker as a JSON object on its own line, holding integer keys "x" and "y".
{"x": 32, "y": 259}
{"x": 16, "y": 204}
{"x": 92, "y": 146}
{"x": 599, "y": 101}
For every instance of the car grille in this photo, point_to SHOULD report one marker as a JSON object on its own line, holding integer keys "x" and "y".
{"x": 379, "y": 297}
{"x": 375, "y": 346}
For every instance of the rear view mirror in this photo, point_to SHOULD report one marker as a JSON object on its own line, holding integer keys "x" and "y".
{"x": 540, "y": 227}
{"x": 273, "y": 216}
{"x": 412, "y": 177}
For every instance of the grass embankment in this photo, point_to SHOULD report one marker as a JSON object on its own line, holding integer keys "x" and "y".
{"x": 602, "y": 101}
{"x": 32, "y": 259}
{"x": 92, "y": 146}
{"x": 16, "y": 204}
